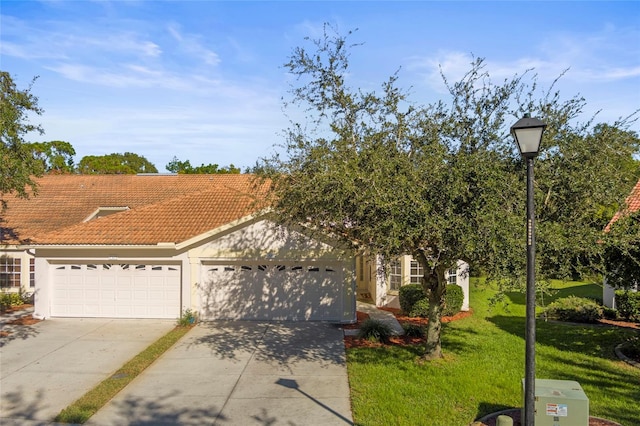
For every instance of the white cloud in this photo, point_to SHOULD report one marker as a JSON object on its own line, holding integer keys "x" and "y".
{"x": 192, "y": 44}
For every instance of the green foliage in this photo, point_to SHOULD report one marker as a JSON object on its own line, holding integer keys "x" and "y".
{"x": 56, "y": 156}
{"x": 420, "y": 309}
{"x": 622, "y": 253}
{"x": 453, "y": 300}
{"x": 445, "y": 181}
{"x": 127, "y": 163}
{"x": 413, "y": 330}
{"x": 189, "y": 317}
{"x": 409, "y": 295}
{"x": 8, "y": 299}
{"x": 414, "y": 302}
{"x": 375, "y": 330}
{"x": 582, "y": 177}
{"x": 17, "y": 165}
{"x": 610, "y": 313}
{"x": 631, "y": 348}
{"x": 185, "y": 167}
{"x": 574, "y": 309}
{"x": 628, "y": 304}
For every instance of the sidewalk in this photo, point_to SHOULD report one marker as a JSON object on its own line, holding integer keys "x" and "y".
{"x": 377, "y": 314}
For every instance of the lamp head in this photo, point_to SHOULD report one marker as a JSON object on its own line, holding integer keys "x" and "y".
{"x": 528, "y": 134}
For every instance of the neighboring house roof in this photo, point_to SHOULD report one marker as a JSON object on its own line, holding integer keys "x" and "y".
{"x": 632, "y": 205}
{"x": 159, "y": 208}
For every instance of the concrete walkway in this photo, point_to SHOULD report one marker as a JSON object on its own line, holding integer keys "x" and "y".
{"x": 241, "y": 373}
{"x": 377, "y": 314}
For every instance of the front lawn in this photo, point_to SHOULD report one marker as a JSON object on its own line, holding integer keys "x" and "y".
{"x": 483, "y": 366}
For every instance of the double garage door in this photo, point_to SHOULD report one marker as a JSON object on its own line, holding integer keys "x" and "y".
{"x": 112, "y": 290}
{"x": 308, "y": 291}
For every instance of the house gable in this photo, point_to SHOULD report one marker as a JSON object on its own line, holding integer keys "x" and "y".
{"x": 264, "y": 239}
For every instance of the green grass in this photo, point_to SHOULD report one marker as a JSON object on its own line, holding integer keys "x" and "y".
{"x": 483, "y": 366}
{"x": 88, "y": 404}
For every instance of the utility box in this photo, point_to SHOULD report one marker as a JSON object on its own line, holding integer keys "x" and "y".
{"x": 559, "y": 403}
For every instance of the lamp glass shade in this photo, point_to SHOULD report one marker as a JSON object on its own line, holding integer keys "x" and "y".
{"x": 528, "y": 134}
{"x": 529, "y": 139}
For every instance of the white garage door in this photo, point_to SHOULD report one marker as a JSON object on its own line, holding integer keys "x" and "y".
{"x": 116, "y": 291}
{"x": 260, "y": 291}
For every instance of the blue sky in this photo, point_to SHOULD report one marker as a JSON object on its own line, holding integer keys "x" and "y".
{"x": 203, "y": 80}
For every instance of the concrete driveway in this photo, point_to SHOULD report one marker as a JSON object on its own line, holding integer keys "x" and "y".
{"x": 241, "y": 373}
{"x": 46, "y": 366}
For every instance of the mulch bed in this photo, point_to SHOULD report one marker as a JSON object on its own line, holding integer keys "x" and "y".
{"x": 25, "y": 319}
{"x": 15, "y": 308}
{"x": 625, "y": 324}
{"x": 354, "y": 342}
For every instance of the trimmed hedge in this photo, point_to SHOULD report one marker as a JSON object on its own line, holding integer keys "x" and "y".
{"x": 414, "y": 302}
{"x": 453, "y": 300}
{"x": 409, "y": 295}
{"x": 420, "y": 309}
{"x": 628, "y": 304}
{"x": 575, "y": 309}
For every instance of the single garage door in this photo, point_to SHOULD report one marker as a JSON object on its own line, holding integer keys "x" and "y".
{"x": 116, "y": 290}
{"x": 263, "y": 291}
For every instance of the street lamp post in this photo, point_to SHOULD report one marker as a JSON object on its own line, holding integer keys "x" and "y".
{"x": 528, "y": 134}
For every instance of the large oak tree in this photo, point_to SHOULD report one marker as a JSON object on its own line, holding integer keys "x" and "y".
{"x": 443, "y": 181}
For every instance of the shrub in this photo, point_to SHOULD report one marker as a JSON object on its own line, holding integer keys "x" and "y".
{"x": 8, "y": 299}
{"x": 188, "y": 318}
{"x": 631, "y": 349}
{"x": 420, "y": 309}
{"x": 609, "y": 313}
{"x": 375, "y": 330}
{"x": 453, "y": 300}
{"x": 409, "y": 294}
{"x": 574, "y": 309}
{"x": 628, "y": 304}
{"x": 413, "y": 330}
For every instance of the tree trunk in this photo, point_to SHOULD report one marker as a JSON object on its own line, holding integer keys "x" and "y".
{"x": 434, "y": 285}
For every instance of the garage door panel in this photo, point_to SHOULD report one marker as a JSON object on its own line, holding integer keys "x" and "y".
{"x": 116, "y": 290}
{"x": 272, "y": 292}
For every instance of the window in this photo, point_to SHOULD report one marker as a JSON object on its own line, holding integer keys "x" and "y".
{"x": 9, "y": 272}
{"x": 395, "y": 275}
{"x": 417, "y": 272}
{"x": 32, "y": 273}
{"x": 453, "y": 276}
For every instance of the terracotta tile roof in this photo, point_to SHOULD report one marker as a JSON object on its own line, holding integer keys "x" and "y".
{"x": 632, "y": 205}
{"x": 162, "y": 208}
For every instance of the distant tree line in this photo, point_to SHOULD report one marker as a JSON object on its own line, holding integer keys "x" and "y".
{"x": 57, "y": 157}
